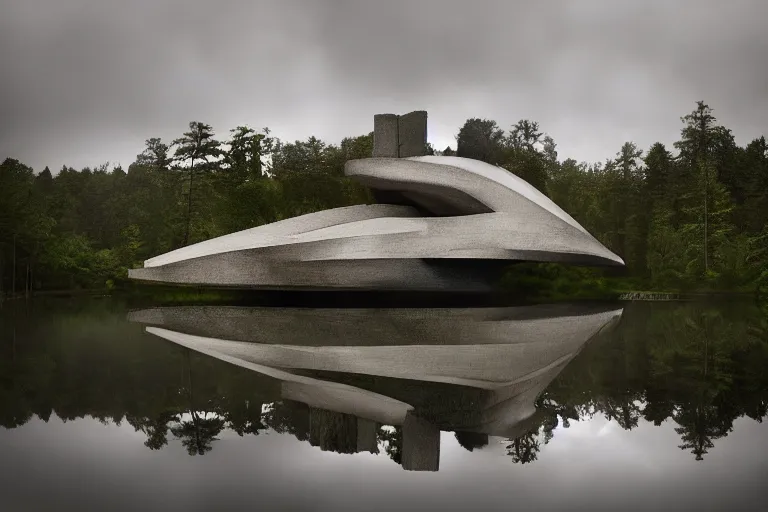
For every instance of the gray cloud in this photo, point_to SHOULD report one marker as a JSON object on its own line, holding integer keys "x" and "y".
{"x": 87, "y": 81}
{"x": 594, "y": 465}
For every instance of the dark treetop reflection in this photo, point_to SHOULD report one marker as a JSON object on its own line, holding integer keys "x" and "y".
{"x": 504, "y": 382}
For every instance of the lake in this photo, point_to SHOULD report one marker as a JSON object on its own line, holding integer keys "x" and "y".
{"x": 613, "y": 406}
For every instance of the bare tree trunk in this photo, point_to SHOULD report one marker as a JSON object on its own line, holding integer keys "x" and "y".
{"x": 32, "y": 271}
{"x": 13, "y": 280}
{"x": 189, "y": 203}
{"x": 706, "y": 347}
{"x": 706, "y": 219}
{"x": 13, "y": 319}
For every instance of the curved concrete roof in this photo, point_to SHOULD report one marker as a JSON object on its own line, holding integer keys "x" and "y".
{"x": 314, "y": 392}
{"x": 554, "y": 323}
{"x": 479, "y": 361}
{"x": 496, "y": 235}
{"x": 482, "y": 212}
{"x": 509, "y": 354}
{"x": 484, "y": 186}
{"x": 387, "y": 252}
{"x": 277, "y": 232}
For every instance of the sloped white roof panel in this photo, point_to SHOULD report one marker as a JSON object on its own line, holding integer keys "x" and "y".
{"x": 492, "y": 215}
{"x": 277, "y": 232}
{"x": 496, "y": 188}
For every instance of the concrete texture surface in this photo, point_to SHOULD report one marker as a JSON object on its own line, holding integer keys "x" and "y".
{"x": 554, "y": 323}
{"x": 477, "y": 212}
{"x": 479, "y": 365}
{"x": 318, "y": 393}
{"x": 421, "y": 444}
{"x": 385, "y": 136}
{"x": 281, "y": 231}
{"x": 506, "y": 378}
{"x": 503, "y": 379}
{"x": 494, "y": 188}
{"x": 412, "y": 134}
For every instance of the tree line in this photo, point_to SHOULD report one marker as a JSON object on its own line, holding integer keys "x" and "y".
{"x": 691, "y": 216}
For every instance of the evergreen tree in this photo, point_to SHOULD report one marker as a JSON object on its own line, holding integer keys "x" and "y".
{"x": 198, "y": 149}
{"x": 481, "y": 139}
{"x": 658, "y": 172}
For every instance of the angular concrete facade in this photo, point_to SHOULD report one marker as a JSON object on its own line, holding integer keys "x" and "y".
{"x": 445, "y": 210}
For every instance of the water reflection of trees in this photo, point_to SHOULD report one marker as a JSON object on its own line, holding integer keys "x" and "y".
{"x": 700, "y": 367}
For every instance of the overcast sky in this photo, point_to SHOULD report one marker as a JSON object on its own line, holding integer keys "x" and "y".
{"x": 87, "y": 81}
{"x": 593, "y": 466}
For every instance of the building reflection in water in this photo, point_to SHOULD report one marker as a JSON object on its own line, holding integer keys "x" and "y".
{"x": 351, "y": 380}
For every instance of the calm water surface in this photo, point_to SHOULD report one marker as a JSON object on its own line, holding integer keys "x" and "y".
{"x": 568, "y": 407}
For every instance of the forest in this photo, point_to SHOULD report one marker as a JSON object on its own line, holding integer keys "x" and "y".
{"x": 691, "y": 217}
